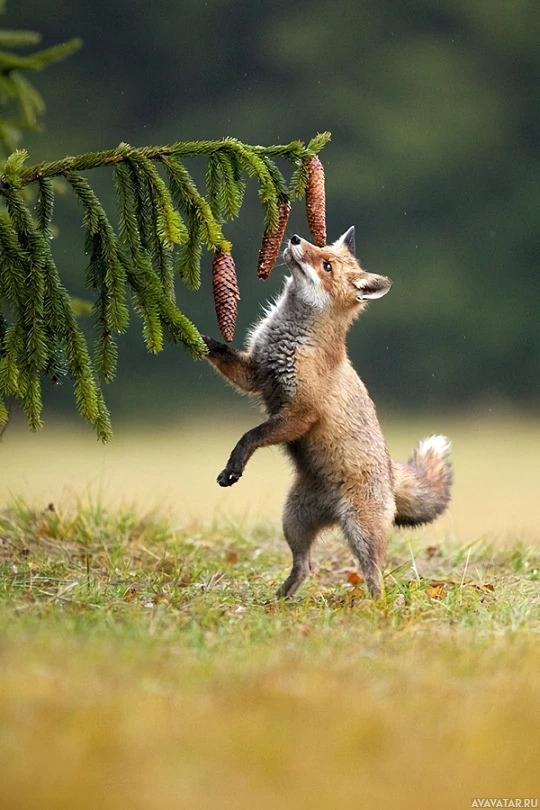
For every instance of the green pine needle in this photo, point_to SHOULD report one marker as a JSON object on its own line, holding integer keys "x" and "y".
{"x": 4, "y": 413}
{"x": 18, "y": 39}
{"x": 160, "y": 228}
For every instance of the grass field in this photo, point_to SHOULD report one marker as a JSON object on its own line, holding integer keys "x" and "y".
{"x": 174, "y": 469}
{"x": 144, "y": 664}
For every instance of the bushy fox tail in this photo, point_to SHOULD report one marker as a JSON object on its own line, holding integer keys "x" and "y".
{"x": 422, "y": 486}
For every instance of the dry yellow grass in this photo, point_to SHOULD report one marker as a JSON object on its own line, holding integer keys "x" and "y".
{"x": 142, "y": 664}
{"x": 392, "y": 724}
{"x": 496, "y": 470}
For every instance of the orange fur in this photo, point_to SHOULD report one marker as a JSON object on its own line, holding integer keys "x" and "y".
{"x": 320, "y": 410}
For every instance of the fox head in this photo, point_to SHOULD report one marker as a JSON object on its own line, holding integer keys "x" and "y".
{"x": 330, "y": 278}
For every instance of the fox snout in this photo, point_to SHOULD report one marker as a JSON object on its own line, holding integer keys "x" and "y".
{"x": 293, "y": 253}
{"x": 294, "y": 250}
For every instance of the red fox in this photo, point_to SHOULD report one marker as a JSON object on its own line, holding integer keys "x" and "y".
{"x": 319, "y": 408}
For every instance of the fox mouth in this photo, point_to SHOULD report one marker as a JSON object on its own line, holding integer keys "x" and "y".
{"x": 292, "y": 263}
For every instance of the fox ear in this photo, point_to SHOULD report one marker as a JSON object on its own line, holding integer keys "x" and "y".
{"x": 348, "y": 240}
{"x": 371, "y": 286}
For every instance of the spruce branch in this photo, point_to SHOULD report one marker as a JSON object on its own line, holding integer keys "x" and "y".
{"x": 18, "y": 39}
{"x": 164, "y": 224}
{"x": 10, "y": 62}
{"x": 22, "y": 104}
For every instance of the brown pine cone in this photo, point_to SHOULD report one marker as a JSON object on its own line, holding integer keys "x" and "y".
{"x": 316, "y": 202}
{"x": 226, "y": 293}
{"x": 271, "y": 243}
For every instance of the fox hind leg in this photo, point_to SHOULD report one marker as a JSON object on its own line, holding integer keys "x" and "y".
{"x": 303, "y": 518}
{"x": 368, "y": 544}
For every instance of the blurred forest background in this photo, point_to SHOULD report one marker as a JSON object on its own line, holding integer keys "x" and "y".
{"x": 435, "y": 118}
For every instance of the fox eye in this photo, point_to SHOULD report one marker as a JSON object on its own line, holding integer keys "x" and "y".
{"x": 327, "y": 266}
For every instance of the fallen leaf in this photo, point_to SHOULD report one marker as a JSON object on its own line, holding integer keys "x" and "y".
{"x": 354, "y": 578}
{"x": 486, "y": 587}
{"x": 437, "y": 590}
{"x": 231, "y": 557}
{"x": 431, "y": 551}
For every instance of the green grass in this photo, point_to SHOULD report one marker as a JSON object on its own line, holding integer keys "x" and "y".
{"x": 145, "y": 664}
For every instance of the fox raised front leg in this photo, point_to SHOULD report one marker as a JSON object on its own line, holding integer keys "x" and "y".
{"x": 282, "y": 427}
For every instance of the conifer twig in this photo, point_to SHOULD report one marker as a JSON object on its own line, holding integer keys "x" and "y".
{"x": 165, "y": 222}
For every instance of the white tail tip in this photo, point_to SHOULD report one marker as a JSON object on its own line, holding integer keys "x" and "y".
{"x": 440, "y": 445}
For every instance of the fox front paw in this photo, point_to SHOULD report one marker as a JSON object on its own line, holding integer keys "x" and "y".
{"x": 214, "y": 346}
{"x": 228, "y": 476}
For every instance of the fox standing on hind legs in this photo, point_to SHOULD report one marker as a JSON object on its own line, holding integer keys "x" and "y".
{"x": 319, "y": 408}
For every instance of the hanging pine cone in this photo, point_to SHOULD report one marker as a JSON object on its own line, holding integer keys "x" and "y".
{"x": 226, "y": 293}
{"x": 271, "y": 243}
{"x": 316, "y": 202}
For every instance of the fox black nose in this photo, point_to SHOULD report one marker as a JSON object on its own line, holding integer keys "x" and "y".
{"x": 295, "y": 239}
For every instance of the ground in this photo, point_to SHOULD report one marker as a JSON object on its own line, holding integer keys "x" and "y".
{"x": 144, "y": 663}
